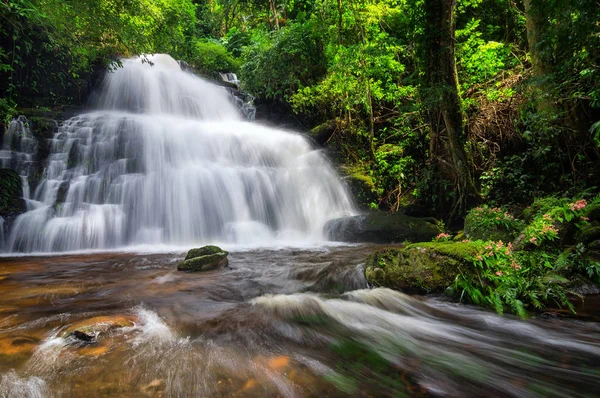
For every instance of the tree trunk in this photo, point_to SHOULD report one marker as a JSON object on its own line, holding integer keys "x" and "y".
{"x": 540, "y": 64}
{"x": 443, "y": 102}
{"x": 274, "y": 11}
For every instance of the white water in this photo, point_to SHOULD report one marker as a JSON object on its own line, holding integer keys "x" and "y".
{"x": 18, "y": 150}
{"x": 167, "y": 159}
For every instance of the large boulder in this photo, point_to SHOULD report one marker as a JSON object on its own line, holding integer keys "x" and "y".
{"x": 382, "y": 228}
{"x": 420, "y": 268}
{"x": 204, "y": 259}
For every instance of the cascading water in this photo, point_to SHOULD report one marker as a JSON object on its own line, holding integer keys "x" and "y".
{"x": 18, "y": 151}
{"x": 168, "y": 159}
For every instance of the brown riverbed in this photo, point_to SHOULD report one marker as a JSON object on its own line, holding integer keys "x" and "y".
{"x": 289, "y": 322}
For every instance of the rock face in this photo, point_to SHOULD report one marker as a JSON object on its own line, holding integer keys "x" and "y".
{"x": 204, "y": 259}
{"x": 420, "y": 268}
{"x": 382, "y": 228}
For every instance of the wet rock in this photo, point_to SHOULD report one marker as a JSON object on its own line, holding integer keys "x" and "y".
{"x": 204, "y": 259}
{"x": 82, "y": 336}
{"x": 91, "y": 329}
{"x": 363, "y": 189}
{"x": 382, "y": 228}
{"x": 419, "y": 268}
{"x": 323, "y": 132}
{"x": 582, "y": 286}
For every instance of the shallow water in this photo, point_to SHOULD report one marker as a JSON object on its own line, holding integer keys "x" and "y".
{"x": 287, "y": 322}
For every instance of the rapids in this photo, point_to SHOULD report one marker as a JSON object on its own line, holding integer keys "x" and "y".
{"x": 167, "y": 158}
{"x": 276, "y": 323}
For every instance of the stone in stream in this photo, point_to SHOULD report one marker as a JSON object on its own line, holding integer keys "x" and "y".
{"x": 382, "y": 228}
{"x": 89, "y": 330}
{"x": 420, "y": 268}
{"x": 204, "y": 259}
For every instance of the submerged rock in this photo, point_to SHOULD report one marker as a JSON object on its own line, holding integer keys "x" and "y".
{"x": 382, "y": 228}
{"x": 90, "y": 329}
{"x": 204, "y": 259}
{"x": 419, "y": 268}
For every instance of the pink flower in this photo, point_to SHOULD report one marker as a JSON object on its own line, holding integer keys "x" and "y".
{"x": 585, "y": 219}
{"x": 515, "y": 265}
{"x": 499, "y": 273}
{"x": 579, "y": 205}
{"x": 465, "y": 241}
{"x": 533, "y": 239}
{"x": 509, "y": 246}
{"x": 547, "y": 217}
{"x": 442, "y": 236}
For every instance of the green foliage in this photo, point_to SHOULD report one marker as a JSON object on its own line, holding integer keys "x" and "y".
{"x": 485, "y": 217}
{"x": 503, "y": 278}
{"x": 277, "y": 64}
{"x": 538, "y": 273}
{"x": 210, "y": 58}
{"x": 478, "y": 60}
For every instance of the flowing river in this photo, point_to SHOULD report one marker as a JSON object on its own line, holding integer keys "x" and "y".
{"x": 165, "y": 162}
{"x": 276, "y": 323}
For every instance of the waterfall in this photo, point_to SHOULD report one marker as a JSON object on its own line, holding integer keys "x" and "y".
{"x": 168, "y": 158}
{"x": 18, "y": 151}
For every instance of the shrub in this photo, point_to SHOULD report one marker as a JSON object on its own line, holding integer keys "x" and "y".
{"x": 210, "y": 58}
{"x": 491, "y": 223}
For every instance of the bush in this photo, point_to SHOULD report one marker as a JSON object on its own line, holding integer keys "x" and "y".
{"x": 491, "y": 223}
{"x": 210, "y": 58}
{"x": 276, "y": 65}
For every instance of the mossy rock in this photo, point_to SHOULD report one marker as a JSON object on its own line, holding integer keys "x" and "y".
{"x": 419, "y": 268}
{"x": 204, "y": 259}
{"x": 323, "y": 132}
{"x": 11, "y": 193}
{"x": 382, "y": 228}
{"x": 474, "y": 231}
{"x": 204, "y": 251}
{"x": 363, "y": 189}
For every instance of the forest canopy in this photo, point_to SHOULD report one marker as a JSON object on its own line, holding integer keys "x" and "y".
{"x": 446, "y": 103}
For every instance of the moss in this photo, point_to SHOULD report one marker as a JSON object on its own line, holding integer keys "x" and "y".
{"x": 363, "y": 188}
{"x": 419, "y": 268}
{"x": 204, "y": 263}
{"x": 382, "y": 228}
{"x": 476, "y": 231}
{"x": 204, "y": 251}
{"x": 323, "y": 132}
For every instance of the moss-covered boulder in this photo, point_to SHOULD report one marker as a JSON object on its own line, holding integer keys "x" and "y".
{"x": 419, "y": 268}
{"x": 382, "y": 228}
{"x": 323, "y": 132}
{"x": 204, "y": 259}
{"x": 363, "y": 190}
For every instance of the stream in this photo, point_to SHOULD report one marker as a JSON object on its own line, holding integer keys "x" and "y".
{"x": 284, "y": 322}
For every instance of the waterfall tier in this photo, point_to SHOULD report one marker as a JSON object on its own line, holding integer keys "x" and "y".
{"x": 168, "y": 159}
